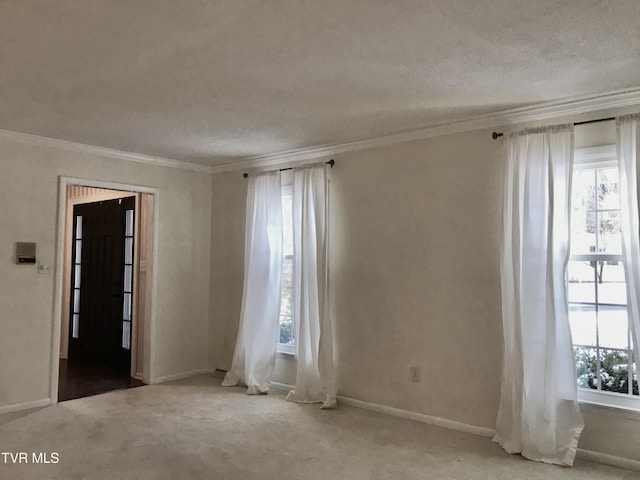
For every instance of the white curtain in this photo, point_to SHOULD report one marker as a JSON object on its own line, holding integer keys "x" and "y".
{"x": 627, "y": 145}
{"x": 255, "y": 352}
{"x": 538, "y": 415}
{"x": 315, "y": 375}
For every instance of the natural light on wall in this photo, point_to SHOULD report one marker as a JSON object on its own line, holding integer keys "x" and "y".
{"x": 597, "y": 289}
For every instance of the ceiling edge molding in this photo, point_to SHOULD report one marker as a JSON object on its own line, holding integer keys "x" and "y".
{"x": 546, "y": 111}
{"x": 56, "y": 143}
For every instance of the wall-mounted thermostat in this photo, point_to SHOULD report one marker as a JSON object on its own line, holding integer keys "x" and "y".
{"x": 25, "y": 252}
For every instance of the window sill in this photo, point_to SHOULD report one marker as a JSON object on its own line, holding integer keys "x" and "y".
{"x": 609, "y": 400}
{"x": 289, "y": 350}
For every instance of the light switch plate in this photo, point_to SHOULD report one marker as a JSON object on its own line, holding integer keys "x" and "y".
{"x": 44, "y": 267}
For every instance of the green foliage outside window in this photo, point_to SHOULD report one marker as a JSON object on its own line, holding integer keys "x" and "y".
{"x": 614, "y": 373}
{"x": 286, "y": 332}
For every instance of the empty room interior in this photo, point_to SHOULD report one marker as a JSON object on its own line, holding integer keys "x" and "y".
{"x": 332, "y": 239}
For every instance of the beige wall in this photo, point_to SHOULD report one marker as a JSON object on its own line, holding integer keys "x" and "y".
{"x": 28, "y": 198}
{"x": 227, "y": 265}
{"x": 414, "y": 280}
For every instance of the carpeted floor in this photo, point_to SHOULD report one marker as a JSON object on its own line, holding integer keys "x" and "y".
{"x": 195, "y": 429}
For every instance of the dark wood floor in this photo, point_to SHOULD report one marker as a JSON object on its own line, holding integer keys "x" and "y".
{"x": 79, "y": 379}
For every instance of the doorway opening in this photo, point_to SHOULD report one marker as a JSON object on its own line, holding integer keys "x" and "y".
{"x": 105, "y": 299}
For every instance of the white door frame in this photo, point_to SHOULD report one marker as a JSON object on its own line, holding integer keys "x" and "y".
{"x": 150, "y": 333}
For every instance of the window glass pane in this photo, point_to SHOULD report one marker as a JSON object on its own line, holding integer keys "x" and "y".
{"x": 75, "y": 328}
{"x": 583, "y": 190}
{"x": 608, "y": 196}
{"x": 286, "y": 294}
{"x": 582, "y": 319}
{"x": 582, "y": 285}
{"x": 78, "y": 252}
{"x": 583, "y": 232}
{"x": 128, "y": 250}
{"x": 286, "y": 330}
{"x": 613, "y": 327}
{"x": 128, "y": 275}
{"x": 287, "y": 273}
{"x": 79, "y": 227}
{"x": 77, "y": 278}
{"x": 76, "y": 301}
{"x": 128, "y": 231}
{"x": 609, "y": 236}
{"x": 634, "y": 379}
{"x": 586, "y": 367}
{"x": 126, "y": 335}
{"x": 614, "y": 373}
{"x": 611, "y": 283}
{"x": 126, "y": 307}
{"x": 286, "y": 307}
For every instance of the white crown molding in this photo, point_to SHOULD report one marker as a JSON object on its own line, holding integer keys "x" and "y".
{"x": 101, "y": 151}
{"x": 545, "y": 111}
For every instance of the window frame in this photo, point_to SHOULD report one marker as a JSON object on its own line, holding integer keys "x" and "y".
{"x": 593, "y": 158}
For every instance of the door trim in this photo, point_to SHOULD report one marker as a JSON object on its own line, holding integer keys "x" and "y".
{"x": 150, "y": 334}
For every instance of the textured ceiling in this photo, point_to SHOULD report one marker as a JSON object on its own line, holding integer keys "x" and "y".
{"x": 211, "y": 81}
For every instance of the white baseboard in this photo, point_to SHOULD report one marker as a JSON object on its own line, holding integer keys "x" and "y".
{"x": 419, "y": 417}
{"x": 583, "y": 454}
{"x": 16, "y": 407}
{"x": 607, "y": 459}
{"x": 180, "y": 376}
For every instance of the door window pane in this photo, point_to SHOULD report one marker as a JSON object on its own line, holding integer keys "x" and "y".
{"x": 79, "y": 227}
{"x": 128, "y": 231}
{"x": 128, "y": 275}
{"x": 75, "y": 327}
{"x": 76, "y": 283}
{"x": 126, "y": 335}
{"x": 78, "y": 258}
{"x": 126, "y": 307}
{"x": 76, "y": 301}
{"x": 128, "y": 250}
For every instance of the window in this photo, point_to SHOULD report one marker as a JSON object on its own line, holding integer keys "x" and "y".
{"x": 77, "y": 270}
{"x": 603, "y": 348}
{"x": 128, "y": 280}
{"x": 286, "y": 342}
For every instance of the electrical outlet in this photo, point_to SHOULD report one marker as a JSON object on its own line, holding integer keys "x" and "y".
{"x": 414, "y": 374}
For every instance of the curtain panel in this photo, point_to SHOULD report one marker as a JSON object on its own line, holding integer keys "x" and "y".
{"x": 538, "y": 415}
{"x": 315, "y": 370}
{"x": 255, "y": 352}
{"x": 627, "y": 150}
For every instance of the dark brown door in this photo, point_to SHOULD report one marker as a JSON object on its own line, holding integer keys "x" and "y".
{"x": 101, "y": 281}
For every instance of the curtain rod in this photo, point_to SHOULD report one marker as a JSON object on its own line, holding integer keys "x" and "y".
{"x": 496, "y": 135}
{"x": 331, "y": 162}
